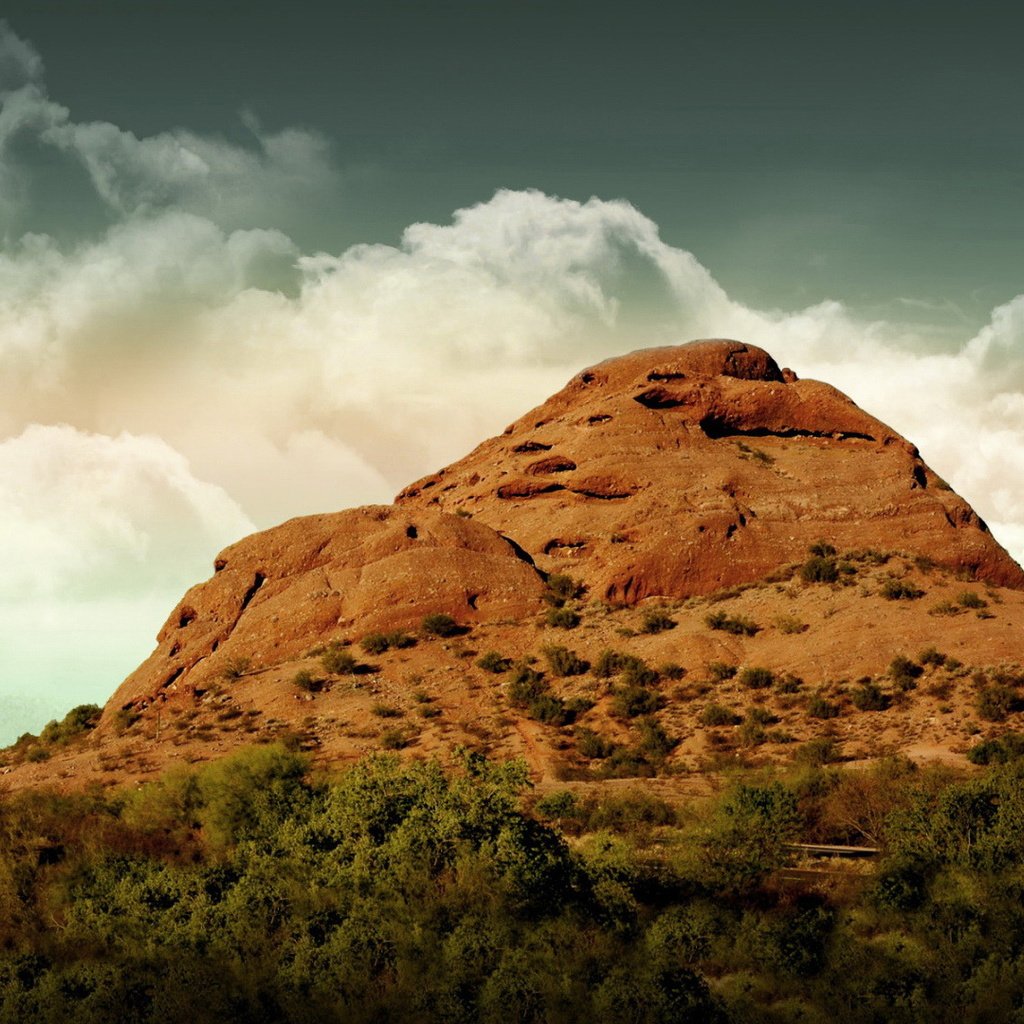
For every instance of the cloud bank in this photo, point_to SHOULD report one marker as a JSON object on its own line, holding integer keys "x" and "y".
{"x": 189, "y": 374}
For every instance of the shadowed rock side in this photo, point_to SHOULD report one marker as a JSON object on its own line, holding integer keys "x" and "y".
{"x": 277, "y": 593}
{"x": 677, "y": 471}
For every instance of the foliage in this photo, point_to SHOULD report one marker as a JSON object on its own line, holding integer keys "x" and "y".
{"x": 337, "y": 661}
{"x": 441, "y": 624}
{"x": 869, "y": 696}
{"x": 718, "y": 714}
{"x": 492, "y": 661}
{"x": 562, "y": 618}
{"x": 563, "y": 662}
{"x": 756, "y": 678}
{"x": 250, "y": 891}
{"x": 900, "y": 590}
{"x": 819, "y": 569}
{"x": 656, "y": 620}
{"x": 738, "y": 625}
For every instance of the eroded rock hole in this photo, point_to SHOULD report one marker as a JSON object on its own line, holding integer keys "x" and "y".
{"x": 187, "y": 615}
{"x": 257, "y": 582}
{"x": 411, "y": 532}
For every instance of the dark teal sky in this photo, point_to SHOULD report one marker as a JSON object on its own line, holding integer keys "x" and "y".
{"x": 869, "y": 152}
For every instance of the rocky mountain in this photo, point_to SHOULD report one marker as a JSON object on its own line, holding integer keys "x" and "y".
{"x": 655, "y": 495}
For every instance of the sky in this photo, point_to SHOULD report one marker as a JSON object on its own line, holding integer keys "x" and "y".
{"x": 261, "y": 260}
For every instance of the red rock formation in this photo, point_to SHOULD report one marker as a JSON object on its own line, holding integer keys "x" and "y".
{"x": 677, "y": 471}
{"x": 670, "y": 472}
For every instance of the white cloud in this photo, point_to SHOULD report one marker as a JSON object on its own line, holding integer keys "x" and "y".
{"x": 90, "y": 516}
{"x": 20, "y": 62}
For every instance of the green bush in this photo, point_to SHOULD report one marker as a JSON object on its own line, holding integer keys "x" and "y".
{"x": 737, "y": 625}
{"x": 719, "y": 671}
{"x": 492, "y": 661}
{"x": 671, "y": 670}
{"x": 560, "y": 804}
{"x": 822, "y": 549}
{"x": 525, "y": 685}
{"x": 631, "y": 701}
{"x": 900, "y": 590}
{"x": 305, "y": 680}
{"x": 818, "y": 569}
{"x": 382, "y": 710}
{"x": 969, "y": 599}
{"x": 1009, "y": 747}
{"x": 904, "y": 672}
{"x": 819, "y": 707}
{"x": 656, "y": 621}
{"x": 994, "y": 702}
{"x": 819, "y": 751}
{"x": 592, "y": 745}
{"x": 337, "y": 661}
{"x": 562, "y": 588}
{"x": 930, "y": 656}
{"x": 869, "y": 696}
{"x": 440, "y": 624}
{"x": 718, "y": 714}
{"x": 757, "y": 678}
{"x": 374, "y": 643}
{"x": 563, "y": 618}
{"x": 563, "y": 662}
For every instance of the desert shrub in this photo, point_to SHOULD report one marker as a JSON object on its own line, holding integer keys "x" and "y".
{"x": 632, "y": 701}
{"x": 818, "y": 751}
{"x": 788, "y": 683}
{"x": 737, "y": 625}
{"x": 561, "y": 804}
{"x": 994, "y": 702}
{"x": 609, "y": 663}
{"x": 578, "y": 705}
{"x": 124, "y": 719}
{"x": 305, "y": 680}
{"x": 78, "y": 721}
{"x": 382, "y": 710}
{"x": 549, "y": 709}
{"x": 636, "y": 672}
{"x": 628, "y": 812}
{"x": 790, "y": 625}
{"x": 904, "y": 672}
{"x": 337, "y": 661}
{"x": 37, "y": 753}
{"x": 653, "y": 740}
{"x": 869, "y": 696}
{"x": 900, "y": 590}
{"x": 656, "y": 621}
{"x": 718, "y": 714}
{"x": 562, "y": 588}
{"x": 563, "y": 662}
{"x": 492, "y": 661}
{"x": 374, "y": 643}
{"x": 671, "y": 670}
{"x": 440, "y": 624}
{"x": 756, "y": 678}
{"x": 819, "y": 569}
{"x": 1009, "y": 747}
{"x": 822, "y": 549}
{"x": 394, "y": 739}
{"x": 593, "y": 745}
{"x": 719, "y": 671}
{"x": 931, "y": 656}
{"x": 969, "y": 599}
{"x": 562, "y": 618}
{"x": 428, "y": 711}
{"x": 819, "y": 707}
{"x": 627, "y": 763}
{"x": 525, "y": 685}
{"x": 760, "y": 715}
{"x": 400, "y": 640}
{"x": 751, "y": 734}
{"x": 235, "y": 668}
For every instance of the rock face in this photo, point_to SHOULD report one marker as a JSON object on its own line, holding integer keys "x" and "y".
{"x": 678, "y": 471}
{"x": 670, "y": 472}
{"x": 277, "y": 593}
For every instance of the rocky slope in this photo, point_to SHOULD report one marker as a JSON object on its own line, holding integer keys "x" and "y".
{"x": 685, "y": 484}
